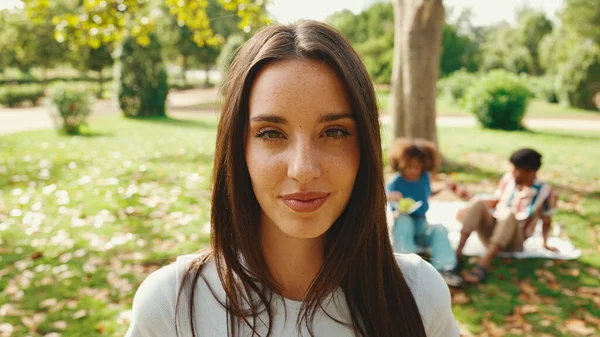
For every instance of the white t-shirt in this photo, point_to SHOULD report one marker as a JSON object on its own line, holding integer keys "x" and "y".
{"x": 154, "y": 305}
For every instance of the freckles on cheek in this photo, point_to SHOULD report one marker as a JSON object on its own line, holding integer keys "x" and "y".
{"x": 263, "y": 165}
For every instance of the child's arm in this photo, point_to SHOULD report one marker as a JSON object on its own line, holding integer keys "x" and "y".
{"x": 392, "y": 192}
{"x": 393, "y": 196}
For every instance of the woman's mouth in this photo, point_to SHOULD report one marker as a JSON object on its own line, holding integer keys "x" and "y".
{"x": 305, "y": 202}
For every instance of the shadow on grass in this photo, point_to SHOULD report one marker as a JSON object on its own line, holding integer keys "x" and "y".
{"x": 204, "y": 108}
{"x": 177, "y": 122}
{"x": 89, "y": 134}
{"x": 475, "y": 172}
{"x": 561, "y": 135}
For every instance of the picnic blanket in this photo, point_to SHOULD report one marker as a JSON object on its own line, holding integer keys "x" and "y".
{"x": 445, "y": 212}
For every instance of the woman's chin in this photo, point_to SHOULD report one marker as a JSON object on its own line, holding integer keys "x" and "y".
{"x": 303, "y": 228}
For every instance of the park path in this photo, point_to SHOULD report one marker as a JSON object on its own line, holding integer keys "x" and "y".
{"x": 531, "y": 123}
{"x": 36, "y": 118}
{"x": 181, "y": 103}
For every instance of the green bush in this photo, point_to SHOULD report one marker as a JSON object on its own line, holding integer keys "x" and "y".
{"x": 69, "y": 107}
{"x": 15, "y": 96}
{"x": 498, "y": 100}
{"x": 35, "y": 80}
{"x": 143, "y": 84}
{"x": 453, "y": 87}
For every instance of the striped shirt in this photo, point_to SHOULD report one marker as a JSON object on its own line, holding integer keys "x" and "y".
{"x": 527, "y": 203}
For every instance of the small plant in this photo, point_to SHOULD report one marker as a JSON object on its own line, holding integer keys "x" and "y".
{"x": 70, "y": 108}
{"x": 17, "y": 95}
{"x": 499, "y": 100}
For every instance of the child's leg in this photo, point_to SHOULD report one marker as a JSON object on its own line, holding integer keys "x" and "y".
{"x": 507, "y": 234}
{"x": 443, "y": 256}
{"x": 476, "y": 219}
{"x": 404, "y": 235}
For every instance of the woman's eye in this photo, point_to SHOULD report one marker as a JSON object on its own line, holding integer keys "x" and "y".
{"x": 269, "y": 134}
{"x": 336, "y": 133}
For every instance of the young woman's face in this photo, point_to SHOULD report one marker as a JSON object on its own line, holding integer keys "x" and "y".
{"x": 302, "y": 147}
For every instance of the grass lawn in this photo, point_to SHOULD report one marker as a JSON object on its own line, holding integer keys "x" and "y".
{"x": 83, "y": 220}
{"x": 537, "y": 108}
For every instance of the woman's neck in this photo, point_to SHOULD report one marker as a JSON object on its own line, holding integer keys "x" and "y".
{"x": 293, "y": 262}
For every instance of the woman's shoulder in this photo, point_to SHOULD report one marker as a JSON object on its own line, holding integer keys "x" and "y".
{"x": 167, "y": 277}
{"x": 419, "y": 274}
{"x": 154, "y": 303}
{"x": 431, "y": 295}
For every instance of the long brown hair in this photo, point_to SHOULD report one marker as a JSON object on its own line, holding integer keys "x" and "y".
{"x": 358, "y": 254}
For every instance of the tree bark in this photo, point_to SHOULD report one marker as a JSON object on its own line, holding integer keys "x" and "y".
{"x": 100, "y": 82}
{"x": 398, "y": 115}
{"x": 184, "y": 69}
{"x": 417, "y": 48}
{"x": 207, "y": 70}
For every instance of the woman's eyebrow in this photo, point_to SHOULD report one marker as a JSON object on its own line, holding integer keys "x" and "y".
{"x": 332, "y": 117}
{"x": 269, "y": 118}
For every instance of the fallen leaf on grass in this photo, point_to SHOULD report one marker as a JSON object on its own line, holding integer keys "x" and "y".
{"x": 529, "y": 309}
{"x": 527, "y": 288}
{"x": 33, "y": 321}
{"x": 578, "y": 326}
{"x": 546, "y": 275}
{"x": 589, "y": 318}
{"x": 574, "y": 272}
{"x": 492, "y": 329}
{"x": 49, "y": 302}
{"x": 6, "y": 329}
{"x": 593, "y": 271}
{"x": 81, "y": 313}
{"x": 460, "y": 298}
{"x": 61, "y": 325}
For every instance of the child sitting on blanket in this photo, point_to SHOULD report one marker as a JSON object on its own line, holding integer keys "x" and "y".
{"x": 413, "y": 160}
{"x": 505, "y": 222}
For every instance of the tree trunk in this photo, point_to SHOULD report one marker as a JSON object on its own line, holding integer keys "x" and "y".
{"x": 398, "y": 113}
{"x": 100, "y": 83}
{"x": 417, "y": 48}
{"x": 207, "y": 70}
{"x": 184, "y": 69}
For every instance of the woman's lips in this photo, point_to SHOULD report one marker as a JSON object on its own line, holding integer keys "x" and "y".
{"x": 305, "y": 202}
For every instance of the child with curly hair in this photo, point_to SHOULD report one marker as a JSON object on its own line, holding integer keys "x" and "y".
{"x": 413, "y": 160}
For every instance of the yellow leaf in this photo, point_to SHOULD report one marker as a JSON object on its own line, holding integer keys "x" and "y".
{"x": 143, "y": 40}
{"x": 94, "y": 43}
